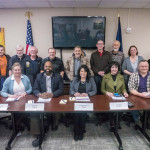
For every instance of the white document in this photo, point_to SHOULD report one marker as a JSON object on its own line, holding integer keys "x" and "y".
{"x": 12, "y": 99}
{"x": 3, "y": 106}
{"x": 118, "y": 105}
{"x": 42, "y": 100}
{"x": 83, "y": 106}
{"x": 83, "y": 99}
{"x": 34, "y": 107}
{"x": 118, "y": 98}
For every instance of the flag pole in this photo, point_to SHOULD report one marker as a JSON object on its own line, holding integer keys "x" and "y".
{"x": 29, "y": 37}
{"x": 28, "y": 14}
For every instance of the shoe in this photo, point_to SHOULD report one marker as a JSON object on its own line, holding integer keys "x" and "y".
{"x": 54, "y": 127}
{"x": 119, "y": 126}
{"x": 137, "y": 124}
{"x": 81, "y": 135}
{"x": 36, "y": 142}
{"x": 76, "y": 138}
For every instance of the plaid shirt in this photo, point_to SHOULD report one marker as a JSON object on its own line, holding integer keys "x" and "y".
{"x": 134, "y": 80}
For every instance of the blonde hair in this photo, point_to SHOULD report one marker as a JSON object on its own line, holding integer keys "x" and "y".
{"x": 15, "y": 65}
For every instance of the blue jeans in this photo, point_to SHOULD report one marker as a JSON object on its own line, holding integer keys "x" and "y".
{"x": 2, "y": 79}
{"x": 98, "y": 81}
{"x": 135, "y": 115}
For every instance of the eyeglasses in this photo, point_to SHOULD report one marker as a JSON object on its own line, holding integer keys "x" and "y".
{"x": 100, "y": 44}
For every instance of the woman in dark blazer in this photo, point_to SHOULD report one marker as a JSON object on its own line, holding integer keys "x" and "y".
{"x": 113, "y": 82}
{"x": 83, "y": 85}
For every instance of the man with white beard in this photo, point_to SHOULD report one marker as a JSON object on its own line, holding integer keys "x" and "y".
{"x": 117, "y": 55}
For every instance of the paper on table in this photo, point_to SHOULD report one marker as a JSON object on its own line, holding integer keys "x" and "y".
{"x": 83, "y": 106}
{"x": 118, "y": 105}
{"x": 3, "y": 106}
{"x": 83, "y": 99}
{"x": 9, "y": 99}
{"x": 118, "y": 98}
{"x": 34, "y": 107}
{"x": 42, "y": 100}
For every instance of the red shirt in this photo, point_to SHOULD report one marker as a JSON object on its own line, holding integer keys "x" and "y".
{"x": 101, "y": 53}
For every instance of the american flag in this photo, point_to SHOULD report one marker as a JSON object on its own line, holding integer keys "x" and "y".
{"x": 29, "y": 41}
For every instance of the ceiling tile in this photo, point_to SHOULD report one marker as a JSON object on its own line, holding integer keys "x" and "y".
{"x": 87, "y": 4}
{"x": 147, "y": 6}
{"x": 115, "y": 1}
{"x": 111, "y": 4}
{"x": 134, "y": 5}
{"x": 140, "y": 1}
{"x": 37, "y": 4}
{"x": 61, "y": 0}
{"x": 62, "y": 4}
{"x": 13, "y": 4}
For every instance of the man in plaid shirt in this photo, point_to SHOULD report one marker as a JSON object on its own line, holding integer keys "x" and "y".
{"x": 139, "y": 85}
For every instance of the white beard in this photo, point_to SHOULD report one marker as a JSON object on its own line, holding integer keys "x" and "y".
{"x": 115, "y": 50}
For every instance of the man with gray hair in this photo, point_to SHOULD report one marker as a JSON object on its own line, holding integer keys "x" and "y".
{"x": 31, "y": 64}
{"x": 19, "y": 57}
{"x": 116, "y": 55}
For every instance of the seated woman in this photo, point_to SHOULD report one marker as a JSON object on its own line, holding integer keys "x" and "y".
{"x": 82, "y": 85}
{"x": 17, "y": 86}
{"x": 113, "y": 82}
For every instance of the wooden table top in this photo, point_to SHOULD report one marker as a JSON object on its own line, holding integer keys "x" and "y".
{"x": 100, "y": 102}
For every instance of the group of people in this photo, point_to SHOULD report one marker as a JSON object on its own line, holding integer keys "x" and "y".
{"x": 105, "y": 73}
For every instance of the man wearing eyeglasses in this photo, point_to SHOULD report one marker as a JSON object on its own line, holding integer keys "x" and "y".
{"x": 99, "y": 63}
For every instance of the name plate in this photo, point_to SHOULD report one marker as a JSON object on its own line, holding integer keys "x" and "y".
{"x": 118, "y": 105}
{"x": 3, "y": 106}
{"x": 34, "y": 107}
{"x": 83, "y": 106}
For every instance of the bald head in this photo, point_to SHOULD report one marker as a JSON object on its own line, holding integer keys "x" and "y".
{"x": 48, "y": 68}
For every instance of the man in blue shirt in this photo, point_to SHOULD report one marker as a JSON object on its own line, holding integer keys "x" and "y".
{"x": 32, "y": 64}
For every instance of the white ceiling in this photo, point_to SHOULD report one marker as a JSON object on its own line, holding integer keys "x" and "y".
{"x": 75, "y": 3}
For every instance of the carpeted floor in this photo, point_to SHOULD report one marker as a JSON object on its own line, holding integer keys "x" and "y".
{"x": 96, "y": 138}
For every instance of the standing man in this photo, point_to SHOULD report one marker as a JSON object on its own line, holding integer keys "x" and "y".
{"x": 47, "y": 85}
{"x": 4, "y": 66}
{"x": 139, "y": 85}
{"x": 99, "y": 63}
{"x": 58, "y": 66}
{"x": 19, "y": 57}
{"x": 32, "y": 64}
{"x": 74, "y": 63}
{"x": 117, "y": 55}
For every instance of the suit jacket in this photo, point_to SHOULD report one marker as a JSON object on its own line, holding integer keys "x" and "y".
{"x": 56, "y": 84}
{"x": 127, "y": 66}
{"x": 90, "y": 87}
{"x": 108, "y": 86}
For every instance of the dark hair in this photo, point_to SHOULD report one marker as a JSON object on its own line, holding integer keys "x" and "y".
{"x": 47, "y": 61}
{"x": 86, "y": 70}
{"x": 3, "y": 47}
{"x": 113, "y": 63}
{"x": 129, "y": 53}
{"x": 77, "y": 47}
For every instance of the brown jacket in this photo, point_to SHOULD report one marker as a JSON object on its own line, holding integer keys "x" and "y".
{"x": 100, "y": 63}
{"x": 69, "y": 67}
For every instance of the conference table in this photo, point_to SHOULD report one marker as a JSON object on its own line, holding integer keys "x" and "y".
{"x": 100, "y": 105}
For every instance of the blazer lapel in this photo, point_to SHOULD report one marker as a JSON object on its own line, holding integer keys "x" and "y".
{"x": 110, "y": 82}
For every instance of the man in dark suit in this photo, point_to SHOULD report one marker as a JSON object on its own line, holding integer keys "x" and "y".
{"x": 47, "y": 85}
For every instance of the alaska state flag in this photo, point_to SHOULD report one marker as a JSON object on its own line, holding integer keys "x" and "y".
{"x": 2, "y": 37}
{"x": 119, "y": 35}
